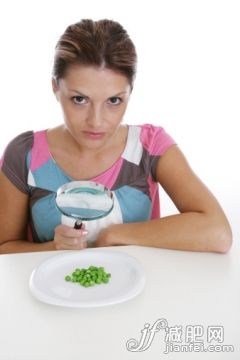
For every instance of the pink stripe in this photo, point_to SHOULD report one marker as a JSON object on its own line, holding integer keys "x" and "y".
{"x": 40, "y": 151}
{"x": 155, "y": 139}
{"x": 109, "y": 176}
{"x": 154, "y": 194}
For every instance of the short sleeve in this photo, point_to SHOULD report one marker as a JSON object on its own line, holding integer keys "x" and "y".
{"x": 14, "y": 161}
{"x": 156, "y": 141}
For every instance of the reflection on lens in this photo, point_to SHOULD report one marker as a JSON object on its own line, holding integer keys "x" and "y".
{"x": 84, "y": 200}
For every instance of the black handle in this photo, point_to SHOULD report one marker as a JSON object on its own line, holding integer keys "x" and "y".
{"x": 78, "y": 224}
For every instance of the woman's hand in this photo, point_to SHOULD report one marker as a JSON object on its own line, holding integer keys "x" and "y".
{"x": 107, "y": 236}
{"x": 68, "y": 238}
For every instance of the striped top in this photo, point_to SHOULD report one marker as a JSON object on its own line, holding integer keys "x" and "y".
{"x": 28, "y": 164}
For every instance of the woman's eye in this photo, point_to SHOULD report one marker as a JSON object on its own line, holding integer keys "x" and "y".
{"x": 79, "y": 100}
{"x": 115, "y": 100}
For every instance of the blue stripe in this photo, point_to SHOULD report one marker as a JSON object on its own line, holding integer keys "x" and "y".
{"x": 45, "y": 217}
{"x": 135, "y": 205}
{"x": 49, "y": 176}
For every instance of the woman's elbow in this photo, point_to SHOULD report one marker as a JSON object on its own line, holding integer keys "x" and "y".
{"x": 223, "y": 238}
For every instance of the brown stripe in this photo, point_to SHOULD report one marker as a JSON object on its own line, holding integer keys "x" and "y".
{"x": 14, "y": 162}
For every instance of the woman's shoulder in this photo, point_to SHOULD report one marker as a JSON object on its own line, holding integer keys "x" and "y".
{"x": 19, "y": 145}
{"x": 26, "y": 139}
{"x": 23, "y": 137}
{"x": 18, "y": 148}
{"x": 15, "y": 160}
{"x": 154, "y": 138}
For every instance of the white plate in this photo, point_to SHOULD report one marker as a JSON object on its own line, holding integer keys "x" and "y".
{"x": 127, "y": 280}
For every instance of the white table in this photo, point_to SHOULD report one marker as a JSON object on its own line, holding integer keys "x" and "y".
{"x": 187, "y": 289}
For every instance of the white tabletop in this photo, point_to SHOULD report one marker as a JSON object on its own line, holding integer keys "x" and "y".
{"x": 194, "y": 291}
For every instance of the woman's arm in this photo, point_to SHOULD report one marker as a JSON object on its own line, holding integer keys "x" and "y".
{"x": 14, "y": 217}
{"x": 200, "y": 226}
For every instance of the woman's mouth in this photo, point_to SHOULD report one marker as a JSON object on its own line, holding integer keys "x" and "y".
{"x": 93, "y": 135}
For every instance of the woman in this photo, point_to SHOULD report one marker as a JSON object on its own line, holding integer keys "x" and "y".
{"x": 93, "y": 75}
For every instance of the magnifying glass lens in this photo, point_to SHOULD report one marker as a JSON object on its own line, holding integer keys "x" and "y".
{"x": 84, "y": 200}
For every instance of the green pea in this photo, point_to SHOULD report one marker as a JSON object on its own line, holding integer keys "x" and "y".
{"x": 89, "y": 277}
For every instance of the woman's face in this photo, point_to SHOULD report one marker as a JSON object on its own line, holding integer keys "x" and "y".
{"x": 93, "y": 101}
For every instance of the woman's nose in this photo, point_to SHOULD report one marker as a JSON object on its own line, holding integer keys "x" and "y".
{"x": 94, "y": 118}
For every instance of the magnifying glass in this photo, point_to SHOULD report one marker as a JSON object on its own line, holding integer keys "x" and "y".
{"x": 84, "y": 201}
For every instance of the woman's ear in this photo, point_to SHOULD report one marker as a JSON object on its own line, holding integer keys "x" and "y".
{"x": 55, "y": 87}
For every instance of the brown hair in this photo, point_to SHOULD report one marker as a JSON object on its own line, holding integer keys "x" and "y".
{"x": 98, "y": 43}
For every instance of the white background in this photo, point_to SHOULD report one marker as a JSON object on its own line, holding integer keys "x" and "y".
{"x": 188, "y": 77}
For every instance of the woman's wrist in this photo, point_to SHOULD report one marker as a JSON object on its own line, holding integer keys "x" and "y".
{"x": 109, "y": 236}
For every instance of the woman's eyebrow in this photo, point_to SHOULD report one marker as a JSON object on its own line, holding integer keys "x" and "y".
{"x": 78, "y": 92}
{"x": 120, "y": 93}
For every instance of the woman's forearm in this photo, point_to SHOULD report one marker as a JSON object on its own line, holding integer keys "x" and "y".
{"x": 187, "y": 231}
{"x": 19, "y": 246}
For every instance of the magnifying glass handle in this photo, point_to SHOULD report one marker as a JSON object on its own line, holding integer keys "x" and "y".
{"x": 78, "y": 224}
